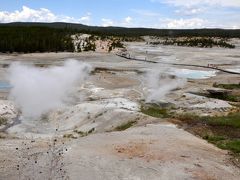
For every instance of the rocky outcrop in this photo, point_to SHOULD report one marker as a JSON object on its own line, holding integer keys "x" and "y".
{"x": 218, "y": 91}
{"x": 87, "y": 42}
{"x": 8, "y": 114}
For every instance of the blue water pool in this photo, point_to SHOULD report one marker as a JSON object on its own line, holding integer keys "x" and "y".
{"x": 193, "y": 74}
{"x": 4, "y": 85}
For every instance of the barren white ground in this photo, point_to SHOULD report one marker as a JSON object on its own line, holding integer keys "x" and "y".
{"x": 152, "y": 149}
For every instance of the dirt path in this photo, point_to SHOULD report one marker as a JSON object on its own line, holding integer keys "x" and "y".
{"x": 178, "y": 64}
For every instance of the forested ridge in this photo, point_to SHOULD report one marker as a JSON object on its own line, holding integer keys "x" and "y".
{"x": 121, "y": 31}
{"x": 203, "y": 42}
{"x": 56, "y": 37}
{"x": 34, "y": 39}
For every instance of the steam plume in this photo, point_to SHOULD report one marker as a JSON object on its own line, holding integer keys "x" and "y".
{"x": 159, "y": 84}
{"x": 36, "y": 90}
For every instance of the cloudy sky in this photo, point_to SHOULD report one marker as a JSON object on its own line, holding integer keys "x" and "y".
{"x": 128, "y": 13}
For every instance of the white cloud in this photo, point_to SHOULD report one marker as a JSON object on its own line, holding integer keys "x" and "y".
{"x": 127, "y": 22}
{"x": 190, "y": 11}
{"x": 223, "y": 3}
{"x": 204, "y": 13}
{"x": 86, "y": 19}
{"x": 40, "y": 15}
{"x": 235, "y": 27}
{"x": 157, "y": 20}
{"x": 107, "y": 22}
{"x": 185, "y": 23}
{"x": 201, "y": 16}
{"x": 27, "y": 14}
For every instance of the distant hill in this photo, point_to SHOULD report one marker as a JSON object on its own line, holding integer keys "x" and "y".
{"x": 29, "y": 39}
{"x": 121, "y": 31}
{"x": 56, "y": 37}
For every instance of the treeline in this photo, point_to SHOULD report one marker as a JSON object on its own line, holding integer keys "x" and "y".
{"x": 56, "y": 37}
{"x": 34, "y": 39}
{"x": 134, "y": 32}
{"x": 196, "y": 42}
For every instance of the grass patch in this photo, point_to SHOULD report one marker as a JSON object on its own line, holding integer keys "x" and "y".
{"x": 232, "y": 120}
{"x": 214, "y": 139}
{"x": 224, "y": 97}
{"x": 91, "y": 131}
{"x": 79, "y": 134}
{"x": 225, "y": 143}
{"x": 2, "y": 136}
{"x": 3, "y": 121}
{"x": 83, "y": 134}
{"x": 227, "y": 86}
{"x": 222, "y": 131}
{"x": 233, "y": 145}
{"x": 155, "y": 111}
{"x": 69, "y": 136}
{"x": 125, "y": 126}
{"x": 232, "y": 96}
{"x": 188, "y": 118}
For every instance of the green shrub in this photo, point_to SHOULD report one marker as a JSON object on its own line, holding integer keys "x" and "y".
{"x": 227, "y": 86}
{"x": 155, "y": 111}
{"x": 233, "y": 145}
{"x": 3, "y": 121}
{"x": 125, "y": 126}
{"x": 232, "y": 120}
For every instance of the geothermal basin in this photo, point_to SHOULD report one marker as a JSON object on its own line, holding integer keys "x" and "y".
{"x": 74, "y": 132}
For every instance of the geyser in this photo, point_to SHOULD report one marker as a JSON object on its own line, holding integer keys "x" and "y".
{"x": 37, "y": 91}
{"x": 160, "y": 83}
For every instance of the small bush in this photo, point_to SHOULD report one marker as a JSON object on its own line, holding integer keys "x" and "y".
{"x": 214, "y": 139}
{"x": 222, "y": 131}
{"x": 225, "y": 97}
{"x": 233, "y": 145}
{"x": 3, "y": 121}
{"x": 155, "y": 111}
{"x": 227, "y": 86}
{"x": 69, "y": 136}
{"x": 232, "y": 120}
{"x": 125, "y": 126}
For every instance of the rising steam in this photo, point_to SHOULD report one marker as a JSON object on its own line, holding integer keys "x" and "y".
{"x": 37, "y": 91}
{"x": 159, "y": 84}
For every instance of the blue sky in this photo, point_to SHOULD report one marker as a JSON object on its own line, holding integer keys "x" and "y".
{"x": 129, "y": 13}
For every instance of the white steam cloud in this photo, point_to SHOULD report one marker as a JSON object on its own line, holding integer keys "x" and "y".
{"x": 37, "y": 91}
{"x": 159, "y": 84}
